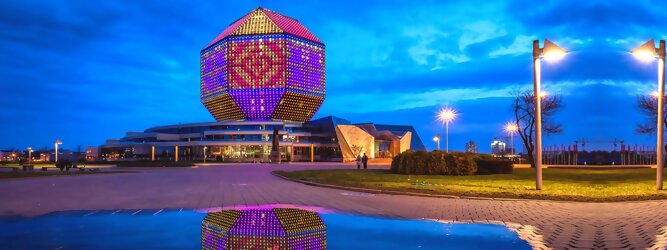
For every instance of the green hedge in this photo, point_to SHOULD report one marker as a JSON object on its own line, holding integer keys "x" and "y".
{"x": 442, "y": 163}
{"x": 494, "y": 167}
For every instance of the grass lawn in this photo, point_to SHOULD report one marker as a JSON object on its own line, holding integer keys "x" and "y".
{"x": 559, "y": 184}
{"x": 15, "y": 175}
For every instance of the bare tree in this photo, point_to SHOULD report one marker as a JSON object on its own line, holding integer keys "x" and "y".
{"x": 648, "y": 105}
{"x": 524, "y": 115}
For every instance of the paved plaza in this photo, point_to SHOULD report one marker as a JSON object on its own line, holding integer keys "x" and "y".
{"x": 545, "y": 224}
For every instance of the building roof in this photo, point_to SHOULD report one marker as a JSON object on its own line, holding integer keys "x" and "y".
{"x": 264, "y": 21}
{"x": 416, "y": 142}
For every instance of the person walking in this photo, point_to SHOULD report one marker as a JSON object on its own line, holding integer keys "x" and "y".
{"x": 365, "y": 161}
{"x": 358, "y": 161}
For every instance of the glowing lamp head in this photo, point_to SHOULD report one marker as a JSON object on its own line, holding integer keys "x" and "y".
{"x": 646, "y": 52}
{"x": 447, "y": 115}
{"x": 436, "y": 138}
{"x": 552, "y": 52}
{"x": 58, "y": 142}
{"x": 511, "y": 127}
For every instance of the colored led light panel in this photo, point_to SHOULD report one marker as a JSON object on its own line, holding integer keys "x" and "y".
{"x": 270, "y": 66}
{"x": 281, "y": 228}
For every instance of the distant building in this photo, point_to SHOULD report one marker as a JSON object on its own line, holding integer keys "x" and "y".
{"x": 497, "y": 147}
{"x": 92, "y": 153}
{"x": 471, "y": 147}
{"x": 9, "y": 155}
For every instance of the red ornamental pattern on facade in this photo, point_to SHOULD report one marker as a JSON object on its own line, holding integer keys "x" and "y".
{"x": 257, "y": 64}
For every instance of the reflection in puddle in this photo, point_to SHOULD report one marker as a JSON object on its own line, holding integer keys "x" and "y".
{"x": 275, "y": 228}
{"x": 174, "y": 229}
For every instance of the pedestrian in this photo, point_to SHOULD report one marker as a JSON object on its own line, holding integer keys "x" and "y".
{"x": 365, "y": 161}
{"x": 358, "y": 161}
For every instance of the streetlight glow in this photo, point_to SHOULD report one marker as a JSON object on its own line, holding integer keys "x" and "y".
{"x": 511, "y": 127}
{"x": 550, "y": 52}
{"x": 446, "y": 115}
{"x": 648, "y": 52}
{"x": 58, "y": 142}
{"x": 436, "y": 138}
{"x": 30, "y": 155}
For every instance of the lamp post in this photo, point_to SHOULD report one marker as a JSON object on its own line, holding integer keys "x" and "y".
{"x": 511, "y": 128}
{"x": 447, "y": 115}
{"x": 205, "y": 154}
{"x": 648, "y": 52}
{"x": 437, "y": 139}
{"x": 30, "y": 155}
{"x": 550, "y": 52}
{"x": 58, "y": 142}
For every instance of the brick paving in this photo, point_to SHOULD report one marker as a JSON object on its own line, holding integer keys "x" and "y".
{"x": 544, "y": 224}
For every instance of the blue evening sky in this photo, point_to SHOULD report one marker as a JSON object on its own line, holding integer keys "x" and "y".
{"x": 85, "y": 71}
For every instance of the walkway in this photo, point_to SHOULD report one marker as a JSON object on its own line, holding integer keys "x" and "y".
{"x": 544, "y": 223}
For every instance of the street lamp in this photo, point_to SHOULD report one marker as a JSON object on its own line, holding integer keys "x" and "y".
{"x": 205, "y": 154}
{"x": 58, "y": 142}
{"x": 550, "y": 52}
{"x": 30, "y": 155}
{"x": 447, "y": 115}
{"x": 511, "y": 128}
{"x": 437, "y": 139}
{"x": 648, "y": 52}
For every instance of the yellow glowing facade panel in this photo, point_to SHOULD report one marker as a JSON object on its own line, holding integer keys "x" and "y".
{"x": 351, "y": 137}
{"x": 223, "y": 107}
{"x": 257, "y": 23}
{"x": 297, "y": 107}
{"x": 405, "y": 142}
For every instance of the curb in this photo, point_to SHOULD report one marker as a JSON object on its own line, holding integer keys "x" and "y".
{"x": 392, "y": 192}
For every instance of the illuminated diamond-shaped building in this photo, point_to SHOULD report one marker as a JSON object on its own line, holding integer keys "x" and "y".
{"x": 265, "y": 71}
{"x": 276, "y": 228}
{"x": 264, "y": 66}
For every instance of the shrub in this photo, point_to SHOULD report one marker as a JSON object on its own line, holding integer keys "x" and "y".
{"x": 394, "y": 163}
{"x": 494, "y": 167}
{"x": 436, "y": 162}
{"x": 420, "y": 162}
{"x": 63, "y": 164}
{"x": 439, "y": 162}
{"x": 463, "y": 165}
{"x": 404, "y": 162}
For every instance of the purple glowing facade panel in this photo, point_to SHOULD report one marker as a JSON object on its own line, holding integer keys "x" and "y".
{"x": 258, "y": 222}
{"x": 277, "y": 228}
{"x": 257, "y": 104}
{"x": 213, "y": 70}
{"x": 305, "y": 67}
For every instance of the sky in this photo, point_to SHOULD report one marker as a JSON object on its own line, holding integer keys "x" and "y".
{"x": 86, "y": 71}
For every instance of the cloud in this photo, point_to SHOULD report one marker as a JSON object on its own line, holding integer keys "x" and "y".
{"x": 479, "y": 31}
{"x": 87, "y": 71}
{"x": 522, "y": 44}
